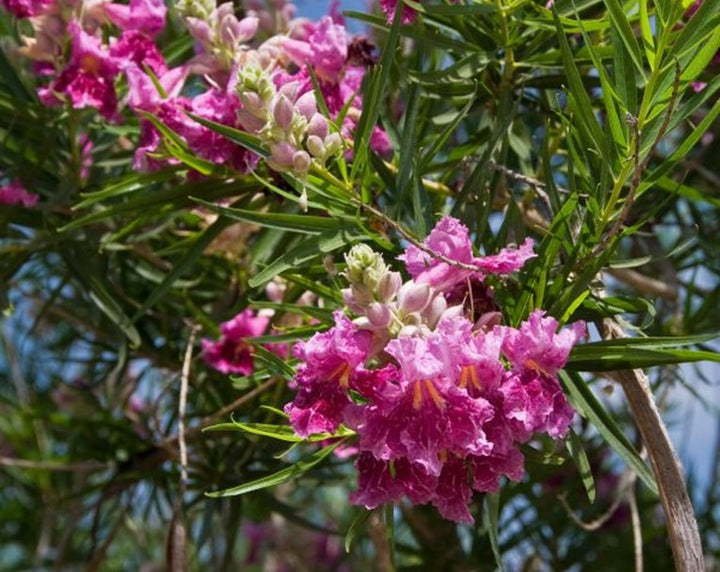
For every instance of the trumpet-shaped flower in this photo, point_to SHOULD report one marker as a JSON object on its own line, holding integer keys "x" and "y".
{"x": 231, "y": 353}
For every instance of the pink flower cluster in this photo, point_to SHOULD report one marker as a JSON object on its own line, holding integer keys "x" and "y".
{"x": 231, "y": 353}
{"x": 15, "y": 194}
{"x": 252, "y": 74}
{"x": 440, "y": 398}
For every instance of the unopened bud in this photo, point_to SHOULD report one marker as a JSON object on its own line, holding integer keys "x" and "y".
{"x": 378, "y": 314}
{"x": 318, "y": 126}
{"x": 360, "y": 259}
{"x": 316, "y": 147}
{"x": 289, "y": 90}
{"x": 251, "y": 102}
{"x": 283, "y": 112}
{"x": 413, "y": 297}
{"x": 301, "y": 164}
{"x": 307, "y": 105}
{"x": 435, "y": 309}
{"x": 388, "y": 286}
{"x": 333, "y": 143}
{"x": 282, "y": 153}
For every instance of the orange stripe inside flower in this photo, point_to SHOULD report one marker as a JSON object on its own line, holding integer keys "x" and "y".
{"x": 530, "y": 363}
{"x": 342, "y": 374}
{"x": 469, "y": 376}
{"x": 418, "y": 394}
{"x": 90, "y": 64}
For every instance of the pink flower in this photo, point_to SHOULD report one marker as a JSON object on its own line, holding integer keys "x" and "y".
{"x": 26, "y": 8}
{"x": 15, "y": 194}
{"x": 407, "y": 15}
{"x": 231, "y": 353}
{"x": 325, "y": 50}
{"x": 88, "y": 79}
{"x": 451, "y": 238}
{"x": 332, "y": 365}
{"x": 537, "y": 346}
{"x": 135, "y": 48}
{"x": 379, "y": 482}
{"x": 146, "y": 16}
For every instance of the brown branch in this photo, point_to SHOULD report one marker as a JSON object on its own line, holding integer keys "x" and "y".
{"x": 681, "y": 524}
{"x": 84, "y": 467}
{"x": 637, "y": 530}
{"x": 644, "y": 284}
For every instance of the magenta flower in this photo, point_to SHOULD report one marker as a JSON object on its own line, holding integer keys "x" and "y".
{"x": 147, "y": 16}
{"x": 332, "y": 365}
{"x": 231, "y": 353}
{"x": 89, "y": 78}
{"x": 425, "y": 416}
{"x": 451, "y": 239}
{"x": 135, "y": 48}
{"x": 325, "y": 50}
{"x": 407, "y": 15}
{"x": 26, "y": 8}
{"x": 537, "y": 346}
{"x": 380, "y": 482}
{"x": 16, "y": 194}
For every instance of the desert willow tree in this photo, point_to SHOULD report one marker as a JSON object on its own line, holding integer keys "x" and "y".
{"x": 269, "y": 285}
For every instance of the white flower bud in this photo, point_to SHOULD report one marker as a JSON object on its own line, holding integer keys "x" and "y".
{"x": 315, "y": 146}
{"x": 388, "y": 286}
{"x": 414, "y": 297}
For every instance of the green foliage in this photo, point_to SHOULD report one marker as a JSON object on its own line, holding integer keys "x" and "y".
{"x": 579, "y": 126}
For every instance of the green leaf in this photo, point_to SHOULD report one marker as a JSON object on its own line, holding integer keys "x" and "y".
{"x": 235, "y": 135}
{"x": 577, "y": 452}
{"x": 357, "y": 523}
{"x": 587, "y": 404}
{"x": 304, "y": 252}
{"x": 625, "y": 31}
{"x": 302, "y": 223}
{"x": 491, "y": 520}
{"x": 280, "y": 477}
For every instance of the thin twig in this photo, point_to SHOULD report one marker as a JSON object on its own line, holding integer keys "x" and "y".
{"x": 639, "y": 168}
{"x": 627, "y": 483}
{"x": 414, "y": 241}
{"x": 182, "y": 407}
{"x": 637, "y": 530}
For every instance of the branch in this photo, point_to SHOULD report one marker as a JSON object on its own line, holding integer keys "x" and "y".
{"x": 681, "y": 524}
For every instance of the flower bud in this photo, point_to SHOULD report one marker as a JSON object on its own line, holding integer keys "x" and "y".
{"x": 318, "y": 126}
{"x": 488, "y": 321}
{"x": 378, "y": 314}
{"x": 289, "y": 90}
{"x": 435, "y": 309}
{"x": 360, "y": 259}
{"x": 252, "y": 103}
{"x": 388, "y": 286}
{"x": 282, "y": 154}
{"x": 316, "y": 147}
{"x": 283, "y": 112}
{"x": 301, "y": 164}
{"x": 413, "y": 297}
{"x": 333, "y": 143}
{"x": 306, "y": 105}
